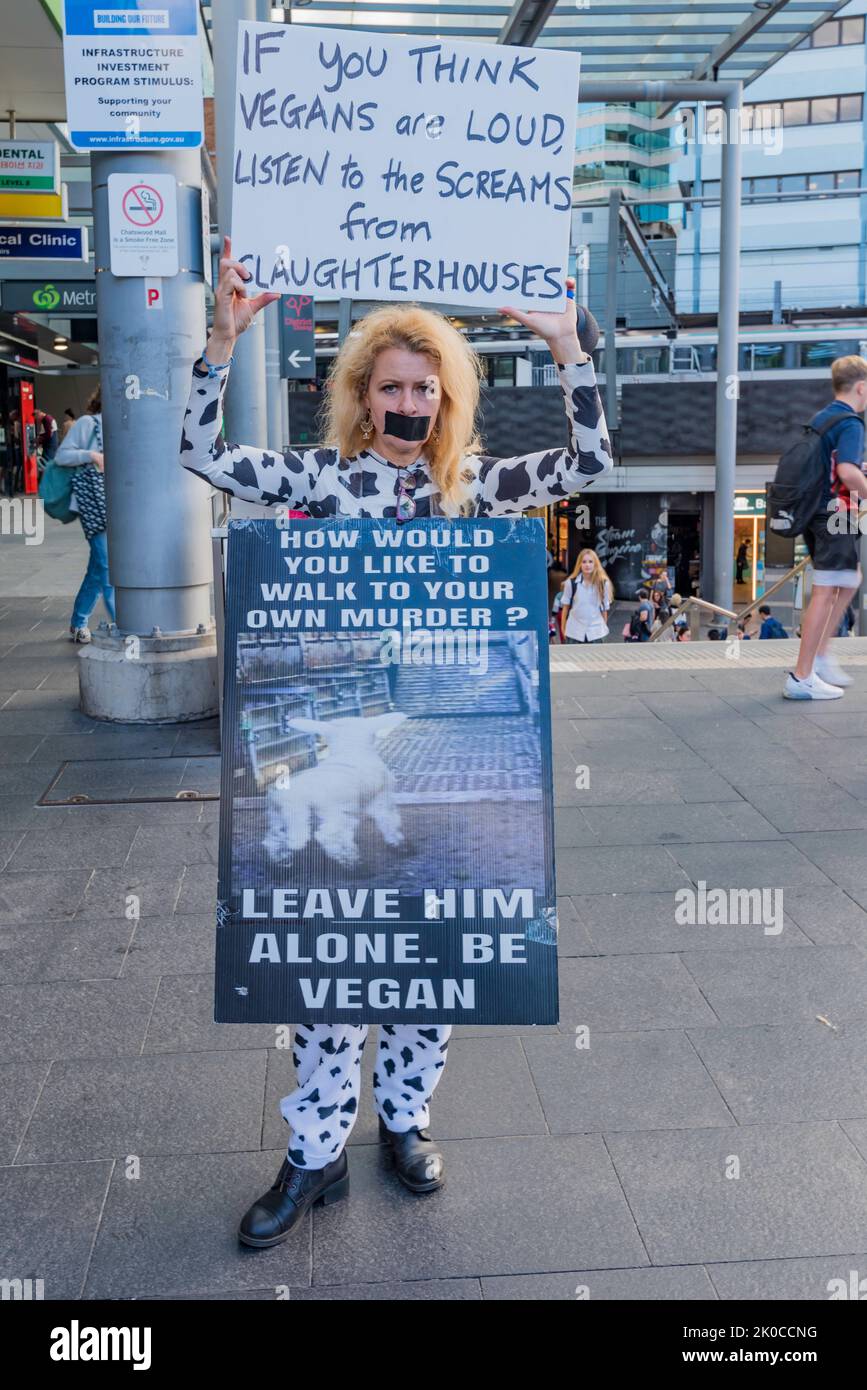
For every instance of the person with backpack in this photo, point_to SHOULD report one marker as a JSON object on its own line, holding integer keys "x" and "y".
{"x": 815, "y": 494}
{"x": 586, "y": 600}
{"x": 771, "y": 626}
{"x": 81, "y": 449}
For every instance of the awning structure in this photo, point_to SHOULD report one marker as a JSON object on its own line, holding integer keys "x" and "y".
{"x": 618, "y": 39}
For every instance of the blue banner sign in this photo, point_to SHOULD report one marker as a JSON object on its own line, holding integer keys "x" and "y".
{"x": 386, "y": 845}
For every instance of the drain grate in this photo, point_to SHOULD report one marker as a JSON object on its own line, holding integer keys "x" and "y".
{"x": 114, "y": 781}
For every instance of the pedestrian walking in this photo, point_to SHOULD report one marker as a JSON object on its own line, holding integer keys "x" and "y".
{"x": 400, "y": 442}
{"x": 832, "y": 535}
{"x": 587, "y": 597}
{"x": 81, "y": 449}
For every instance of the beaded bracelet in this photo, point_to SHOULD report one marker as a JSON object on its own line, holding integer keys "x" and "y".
{"x": 215, "y": 367}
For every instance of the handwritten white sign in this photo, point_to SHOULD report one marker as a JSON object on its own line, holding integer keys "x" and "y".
{"x": 393, "y": 168}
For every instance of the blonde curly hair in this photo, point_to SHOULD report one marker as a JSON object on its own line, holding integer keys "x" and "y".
{"x": 460, "y": 374}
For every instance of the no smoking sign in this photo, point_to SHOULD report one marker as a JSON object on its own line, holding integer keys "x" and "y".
{"x": 143, "y": 225}
{"x": 142, "y": 205}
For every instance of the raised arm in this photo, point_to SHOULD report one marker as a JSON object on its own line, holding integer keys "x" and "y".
{"x": 523, "y": 481}
{"x": 274, "y": 477}
{"x": 257, "y": 475}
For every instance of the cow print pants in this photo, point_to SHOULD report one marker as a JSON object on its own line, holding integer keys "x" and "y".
{"x": 323, "y": 1107}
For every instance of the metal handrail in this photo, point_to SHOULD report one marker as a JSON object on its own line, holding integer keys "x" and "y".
{"x": 689, "y": 603}
{"x": 790, "y": 574}
{"x": 700, "y": 603}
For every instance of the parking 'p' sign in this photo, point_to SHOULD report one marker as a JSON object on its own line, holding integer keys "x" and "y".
{"x": 143, "y": 224}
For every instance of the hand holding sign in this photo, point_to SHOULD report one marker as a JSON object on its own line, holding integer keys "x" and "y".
{"x": 233, "y": 311}
{"x": 560, "y": 331}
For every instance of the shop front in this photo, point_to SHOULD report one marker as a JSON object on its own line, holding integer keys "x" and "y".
{"x": 749, "y": 546}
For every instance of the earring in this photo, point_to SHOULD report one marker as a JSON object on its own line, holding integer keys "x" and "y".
{"x": 434, "y": 434}
{"x": 367, "y": 426}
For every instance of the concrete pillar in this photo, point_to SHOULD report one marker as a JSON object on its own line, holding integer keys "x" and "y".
{"x": 161, "y": 655}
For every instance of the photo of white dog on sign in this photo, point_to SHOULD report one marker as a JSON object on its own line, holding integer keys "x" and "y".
{"x": 329, "y": 804}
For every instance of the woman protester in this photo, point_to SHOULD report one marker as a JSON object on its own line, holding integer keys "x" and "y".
{"x": 401, "y": 443}
{"x": 587, "y": 597}
{"x": 81, "y": 448}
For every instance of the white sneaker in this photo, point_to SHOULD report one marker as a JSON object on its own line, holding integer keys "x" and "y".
{"x": 828, "y": 670}
{"x": 813, "y": 688}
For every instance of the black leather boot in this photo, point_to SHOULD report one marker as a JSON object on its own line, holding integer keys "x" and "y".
{"x": 271, "y": 1218}
{"x": 417, "y": 1160}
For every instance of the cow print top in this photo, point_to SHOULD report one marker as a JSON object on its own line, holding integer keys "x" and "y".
{"x": 320, "y": 483}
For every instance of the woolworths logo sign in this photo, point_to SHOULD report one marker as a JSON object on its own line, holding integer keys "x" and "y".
{"x": 47, "y": 297}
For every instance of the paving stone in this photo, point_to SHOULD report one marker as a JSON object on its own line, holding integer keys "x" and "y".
{"x": 762, "y": 864}
{"x": 110, "y": 893}
{"x": 611, "y": 870}
{"x": 805, "y": 808}
{"x": 183, "y": 1019}
{"x": 94, "y": 1018}
{"x": 787, "y": 1281}
{"x": 779, "y": 986}
{"x": 48, "y": 1220}
{"x": 178, "y": 945}
{"x": 17, "y": 812}
{"x": 409, "y": 1291}
{"x": 207, "y": 1103}
{"x": 683, "y": 1283}
{"x": 71, "y": 844}
{"x": 652, "y": 787}
{"x": 629, "y": 992}
{"x": 571, "y": 829}
{"x": 170, "y": 1232}
{"x": 829, "y": 916}
{"x": 175, "y": 844}
{"x": 573, "y": 939}
{"x": 106, "y": 743}
{"x": 838, "y": 853}
{"x": 30, "y": 897}
{"x": 649, "y": 1080}
{"x": 857, "y": 1132}
{"x": 801, "y": 1071}
{"x": 646, "y": 824}
{"x": 488, "y": 1219}
{"x": 198, "y": 889}
{"x": 663, "y": 751}
{"x": 639, "y": 923}
{"x": 77, "y": 950}
{"x": 802, "y": 1188}
{"x": 20, "y": 1084}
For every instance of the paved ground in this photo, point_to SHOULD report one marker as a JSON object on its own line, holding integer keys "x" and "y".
{"x": 712, "y": 1049}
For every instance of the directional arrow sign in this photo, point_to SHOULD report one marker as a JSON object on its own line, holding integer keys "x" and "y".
{"x": 297, "y": 340}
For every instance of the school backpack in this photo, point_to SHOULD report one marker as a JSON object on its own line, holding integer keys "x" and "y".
{"x": 795, "y": 495}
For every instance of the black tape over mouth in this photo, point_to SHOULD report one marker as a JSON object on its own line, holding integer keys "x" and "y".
{"x": 411, "y": 428}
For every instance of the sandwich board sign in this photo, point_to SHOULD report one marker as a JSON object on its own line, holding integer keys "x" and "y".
{"x": 386, "y": 843}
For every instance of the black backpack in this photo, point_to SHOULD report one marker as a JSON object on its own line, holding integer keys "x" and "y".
{"x": 795, "y": 495}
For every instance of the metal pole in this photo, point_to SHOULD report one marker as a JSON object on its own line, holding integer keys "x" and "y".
{"x": 275, "y": 386}
{"x": 344, "y": 319}
{"x": 157, "y": 512}
{"x": 611, "y": 308}
{"x": 245, "y": 405}
{"x": 727, "y": 381}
